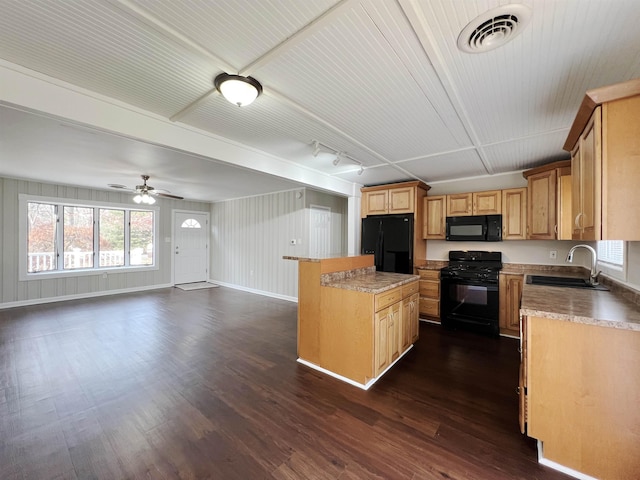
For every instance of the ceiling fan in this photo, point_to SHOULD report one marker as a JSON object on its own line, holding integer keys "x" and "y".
{"x": 145, "y": 193}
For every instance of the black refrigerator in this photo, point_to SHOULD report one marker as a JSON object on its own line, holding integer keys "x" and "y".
{"x": 390, "y": 239}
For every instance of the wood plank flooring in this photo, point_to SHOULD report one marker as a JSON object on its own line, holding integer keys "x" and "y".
{"x": 204, "y": 384}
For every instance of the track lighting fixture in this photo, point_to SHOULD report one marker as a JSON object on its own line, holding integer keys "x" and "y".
{"x": 320, "y": 147}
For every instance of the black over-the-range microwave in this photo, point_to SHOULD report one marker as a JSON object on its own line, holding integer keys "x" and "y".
{"x": 479, "y": 228}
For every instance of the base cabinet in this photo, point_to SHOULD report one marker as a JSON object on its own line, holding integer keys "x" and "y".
{"x": 579, "y": 396}
{"x": 510, "y": 293}
{"x": 430, "y": 294}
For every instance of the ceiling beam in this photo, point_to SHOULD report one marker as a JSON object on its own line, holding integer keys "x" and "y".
{"x": 415, "y": 15}
{"x": 32, "y": 91}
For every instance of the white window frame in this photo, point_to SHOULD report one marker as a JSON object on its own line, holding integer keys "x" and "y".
{"x": 614, "y": 270}
{"x": 25, "y": 199}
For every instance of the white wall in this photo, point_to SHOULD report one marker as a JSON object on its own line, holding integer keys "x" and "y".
{"x": 249, "y": 237}
{"x": 522, "y": 251}
{"x": 15, "y": 292}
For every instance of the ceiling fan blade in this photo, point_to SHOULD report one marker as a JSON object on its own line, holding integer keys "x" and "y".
{"x": 167, "y": 195}
{"x": 118, "y": 186}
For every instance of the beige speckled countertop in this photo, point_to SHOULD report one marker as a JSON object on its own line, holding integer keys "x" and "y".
{"x": 374, "y": 282}
{"x": 593, "y": 307}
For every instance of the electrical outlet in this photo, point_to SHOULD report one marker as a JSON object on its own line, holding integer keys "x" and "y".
{"x": 553, "y": 254}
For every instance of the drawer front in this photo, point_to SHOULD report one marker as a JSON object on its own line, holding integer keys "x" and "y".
{"x": 387, "y": 298}
{"x": 429, "y": 288}
{"x": 429, "y": 307}
{"x": 429, "y": 274}
{"x": 410, "y": 289}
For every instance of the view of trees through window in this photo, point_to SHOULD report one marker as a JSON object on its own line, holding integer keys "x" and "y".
{"x": 89, "y": 237}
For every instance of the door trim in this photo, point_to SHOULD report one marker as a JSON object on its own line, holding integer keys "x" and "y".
{"x": 175, "y": 211}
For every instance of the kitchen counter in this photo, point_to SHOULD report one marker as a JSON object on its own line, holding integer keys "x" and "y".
{"x": 372, "y": 282}
{"x": 592, "y": 307}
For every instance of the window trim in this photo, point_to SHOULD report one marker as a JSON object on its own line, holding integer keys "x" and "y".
{"x": 24, "y": 199}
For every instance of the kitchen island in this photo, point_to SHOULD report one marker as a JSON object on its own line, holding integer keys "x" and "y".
{"x": 354, "y": 323}
{"x": 580, "y": 379}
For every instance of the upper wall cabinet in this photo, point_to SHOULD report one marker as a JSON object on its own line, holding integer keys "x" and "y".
{"x": 435, "y": 212}
{"x": 476, "y": 203}
{"x": 514, "y": 214}
{"x": 393, "y": 198}
{"x": 604, "y": 142}
{"x": 549, "y": 201}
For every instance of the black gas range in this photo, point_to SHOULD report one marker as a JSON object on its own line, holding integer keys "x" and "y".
{"x": 469, "y": 295}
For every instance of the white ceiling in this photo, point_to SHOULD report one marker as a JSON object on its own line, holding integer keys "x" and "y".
{"x": 381, "y": 80}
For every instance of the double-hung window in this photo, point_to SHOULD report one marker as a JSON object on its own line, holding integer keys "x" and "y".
{"x": 60, "y": 237}
{"x": 612, "y": 258}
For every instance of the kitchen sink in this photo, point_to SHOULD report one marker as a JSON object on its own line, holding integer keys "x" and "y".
{"x": 571, "y": 282}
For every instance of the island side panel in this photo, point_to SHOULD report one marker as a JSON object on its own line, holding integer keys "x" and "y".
{"x": 309, "y": 311}
{"x": 346, "y": 333}
{"x": 584, "y": 396}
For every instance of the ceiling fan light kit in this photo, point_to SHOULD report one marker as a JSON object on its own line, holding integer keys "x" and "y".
{"x": 239, "y": 90}
{"x": 145, "y": 193}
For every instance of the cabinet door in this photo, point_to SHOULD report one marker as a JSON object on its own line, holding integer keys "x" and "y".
{"x": 522, "y": 380}
{"x": 381, "y": 340}
{"x": 510, "y": 292}
{"x": 414, "y": 322}
{"x": 395, "y": 326}
{"x": 487, "y": 203}
{"x": 401, "y": 200}
{"x": 589, "y": 170}
{"x": 514, "y": 214}
{"x": 435, "y": 214}
{"x": 406, "y": 335}
{"x": 576, "y": 189}
{"x": 541, "y": 218}
{"x": 376, "y": 202}
{"x": 459, "y": 204}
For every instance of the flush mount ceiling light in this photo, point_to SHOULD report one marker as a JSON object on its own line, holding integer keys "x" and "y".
{"x": 494, "y": 28}
{"x": 237, "y": 89}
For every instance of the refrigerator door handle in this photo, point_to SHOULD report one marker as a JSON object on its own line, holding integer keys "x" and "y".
{"x": 379, "y": 245}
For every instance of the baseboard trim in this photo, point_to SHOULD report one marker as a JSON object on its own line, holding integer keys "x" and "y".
{"x": 363, "y": 386}
{"x": 561, "y": 468}
{"x": 253, "y": 290}
{"x": 80, "y": 296}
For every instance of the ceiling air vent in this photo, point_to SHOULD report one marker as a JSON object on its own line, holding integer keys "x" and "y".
{"x": 494, "y": 28}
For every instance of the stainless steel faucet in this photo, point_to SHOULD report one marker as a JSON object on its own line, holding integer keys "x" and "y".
{"x": 593, "y": 276}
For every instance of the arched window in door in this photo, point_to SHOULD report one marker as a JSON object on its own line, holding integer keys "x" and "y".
{"x": 191, "y": 223}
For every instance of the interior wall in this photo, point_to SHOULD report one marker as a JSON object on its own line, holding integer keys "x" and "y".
{"x": 14, "y": 291}
{"x": 249, "y": 237}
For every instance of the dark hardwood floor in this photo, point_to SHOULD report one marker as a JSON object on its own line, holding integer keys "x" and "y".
{"x": 204, "y": 384}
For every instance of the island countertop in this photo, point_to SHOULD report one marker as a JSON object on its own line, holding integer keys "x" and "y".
{"x": 370, "y": 282}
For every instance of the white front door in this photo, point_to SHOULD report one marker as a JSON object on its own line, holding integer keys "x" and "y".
{"x": 190, "y": 250}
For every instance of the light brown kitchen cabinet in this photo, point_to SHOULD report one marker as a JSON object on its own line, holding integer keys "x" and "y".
{"x": 430, "y": 294}
{"x": 409, "y": 320}
{"x": 487, "y": 203}
{"x": 510, "y": 288}
{"x": 577, "y": 400}
{"x": 546, "y": 201}
{"x": 459, "y": 204}
{"x": 394, "y": 198}
{"x": 352, "y": 334}
{"x": 435, "y": 213}
{"x": 604, "y": 142}
{"x": 514, "y": 214}
{"x": 474, "y": 203}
